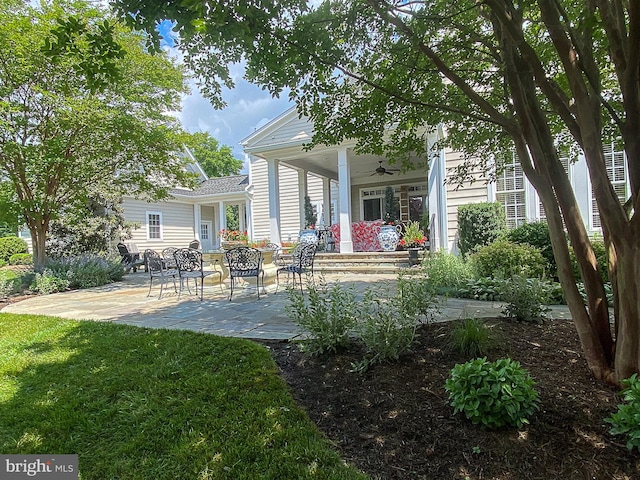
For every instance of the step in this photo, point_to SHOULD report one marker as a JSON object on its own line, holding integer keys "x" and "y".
{"x": 360, "y": 262}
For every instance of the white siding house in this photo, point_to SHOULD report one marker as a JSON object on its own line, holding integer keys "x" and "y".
{"x": 338, "y": 179}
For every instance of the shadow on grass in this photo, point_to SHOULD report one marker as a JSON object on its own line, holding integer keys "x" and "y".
{"x": 138, "y": 403}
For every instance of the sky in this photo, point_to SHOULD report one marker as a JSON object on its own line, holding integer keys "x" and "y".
{"x": 248, "y": 106}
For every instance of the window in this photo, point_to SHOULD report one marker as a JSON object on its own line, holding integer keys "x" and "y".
{"x": 154, "y": 226}
{"x": 541, "y": 213}
{"x": 373, "y": 204}
{"x": 510, "y": 192}
{"x": 616, "y": 171}
{"x": 372, "y": 208}
{"x": 204, "y": 231}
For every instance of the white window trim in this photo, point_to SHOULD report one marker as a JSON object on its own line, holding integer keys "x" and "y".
{"x": 422, "y": 191}
{"x": 149, "y": 238}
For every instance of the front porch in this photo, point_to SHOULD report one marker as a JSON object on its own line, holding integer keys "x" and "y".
{"x": 344, "y": 186}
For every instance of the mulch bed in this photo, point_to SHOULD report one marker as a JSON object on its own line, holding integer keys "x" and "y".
{"x": 394, "y": 422}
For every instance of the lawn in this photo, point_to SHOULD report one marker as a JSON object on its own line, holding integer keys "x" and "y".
{"x": 137, "y": 403}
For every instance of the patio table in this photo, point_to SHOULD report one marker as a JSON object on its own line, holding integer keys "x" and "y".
{"x": 268, "y": 265}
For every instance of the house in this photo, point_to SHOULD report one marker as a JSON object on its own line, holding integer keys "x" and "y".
{"x": 189, "y": 214}
{"x": 353, "y": 186}
{"x": 344, "y": 188}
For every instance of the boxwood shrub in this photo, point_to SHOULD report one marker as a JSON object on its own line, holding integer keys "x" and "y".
{"x": 505, "y": 259}
{"x": 479, "y": 224}
{"x": 537, "y": 235}
{"x": 10, "y": 246}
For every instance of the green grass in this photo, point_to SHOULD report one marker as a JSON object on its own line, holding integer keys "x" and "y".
{"x": 138, "y": 403}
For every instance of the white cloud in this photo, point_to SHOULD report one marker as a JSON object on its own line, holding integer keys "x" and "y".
{"x": 248, "y": 108}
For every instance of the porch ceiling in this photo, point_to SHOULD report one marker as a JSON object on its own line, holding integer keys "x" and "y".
{"x": 324, "y": 162}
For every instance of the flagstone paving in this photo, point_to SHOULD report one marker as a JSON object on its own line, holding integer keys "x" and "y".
{"x": 246, "y": 316}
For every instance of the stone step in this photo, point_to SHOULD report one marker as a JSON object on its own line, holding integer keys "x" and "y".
{"x": 360, "y": 262}
{"x": 377, "y": 269}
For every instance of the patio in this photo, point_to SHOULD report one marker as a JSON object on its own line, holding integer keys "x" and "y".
{"x": 245, "y": 317}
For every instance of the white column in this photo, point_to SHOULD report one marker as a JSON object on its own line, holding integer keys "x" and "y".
{"x": 242, "y": 219}
{"x": 344, "y": 186}
{"x": 438, "y": 202}
{"x": 273, "y": 179}
{"x": 302, "y": 192}
{"x": 247, "y": 208}
{"x": 197, "y": 219}
{"x": 326, "y": 201}
{"x": 222, "y": 217}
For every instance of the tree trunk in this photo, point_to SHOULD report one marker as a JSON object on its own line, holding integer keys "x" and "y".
{"x": 627, "y": 354}
{"x": 38, "y": 241}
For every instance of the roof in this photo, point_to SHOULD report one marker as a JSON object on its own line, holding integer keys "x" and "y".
{"x": 217, "y": 186}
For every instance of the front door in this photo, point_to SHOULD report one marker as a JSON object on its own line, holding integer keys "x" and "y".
{"x": 206, "y": 237}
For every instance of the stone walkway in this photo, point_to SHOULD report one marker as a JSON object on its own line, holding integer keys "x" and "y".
{"x": 245, "y": 316}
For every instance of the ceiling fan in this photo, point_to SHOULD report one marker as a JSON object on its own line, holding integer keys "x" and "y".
{"x": 381, "y": 170}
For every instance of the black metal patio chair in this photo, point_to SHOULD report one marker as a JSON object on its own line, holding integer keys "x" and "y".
{"x": 155, "y": 266}
{"x": 302, "y": 260}
{"x": 169, "y": 259}
{"x": 244, "y": 262}
{"x": 190, "y": 265}
{"x": 130, "y": 256}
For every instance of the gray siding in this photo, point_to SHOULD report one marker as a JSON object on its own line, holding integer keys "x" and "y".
{"x": 296, "y": 129}
{"x": 289, "y": 200}
{"x": 469, "y": 193}
{"x": 177, "y": 223}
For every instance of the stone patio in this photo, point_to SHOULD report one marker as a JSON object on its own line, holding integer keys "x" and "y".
{"x": 246, "y": 316}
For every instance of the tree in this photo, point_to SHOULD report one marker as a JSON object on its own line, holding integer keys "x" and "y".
{"x": 9, "y": 213}
{"x": 215, "y": 159}
{"x": 310, "y": 217}
{"x": 83, "y": 112}
{"x": 533, "y": 77}
{"x": 390, "y": 205}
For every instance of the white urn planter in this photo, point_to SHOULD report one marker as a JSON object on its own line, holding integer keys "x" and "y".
{"x": 388, "y": 236}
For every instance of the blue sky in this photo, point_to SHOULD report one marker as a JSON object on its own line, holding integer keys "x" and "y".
{"x": 248, "y": 106}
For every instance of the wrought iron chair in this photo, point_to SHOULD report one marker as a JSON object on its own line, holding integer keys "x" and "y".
{"x": 155, "y": 265}
{"x": 190, "y": 265}
{"x": 130, "y": 256}
{"x": 169, "y": 259}
{"x": 244, "y": 262}
{"x": 302, "y": 260}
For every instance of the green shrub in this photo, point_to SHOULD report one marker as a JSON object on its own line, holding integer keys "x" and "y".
{"x": 21, "y": 259}
{"x": 626, "y": 421}
{"x": 493, "y": 394}
{"x": 328, "y": 314}
{"x": 446, "y": 272}
{"x": 86, "y": 271}
{"x": 485, "y": 288}
{"x": 470, "y": 338}
{"x": 9, "y": 283}
{"x": 526, "y": 299}
{"x": 601, "y": 257}
{"x": 479, "y": 224}
{"x": 10, "y": 246}
{"x": 384, "y": 330}
{"x": 504, "y": 259}
{"x": 48, "y": 282}
{"x": 416, "y": 295}
{"x": 537, "y": 235}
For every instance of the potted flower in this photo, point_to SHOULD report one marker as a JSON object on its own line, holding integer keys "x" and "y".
{"x": 413, "y": 240}
{"x": 232, "y": 238}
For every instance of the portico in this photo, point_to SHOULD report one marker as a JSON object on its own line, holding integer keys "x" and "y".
{"x": 346, "y": 187}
